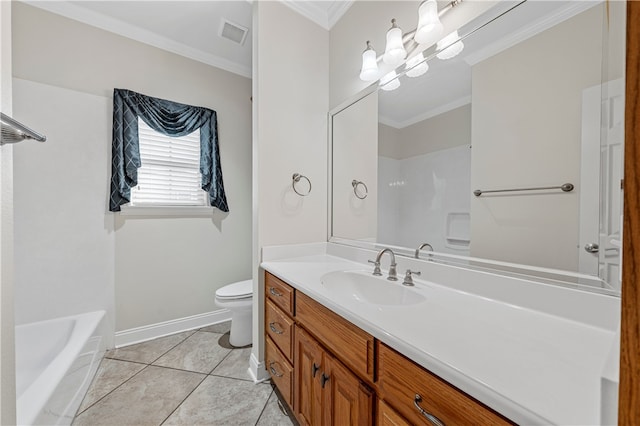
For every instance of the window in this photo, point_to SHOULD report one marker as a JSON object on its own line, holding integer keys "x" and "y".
{"x": 170, "y": 170}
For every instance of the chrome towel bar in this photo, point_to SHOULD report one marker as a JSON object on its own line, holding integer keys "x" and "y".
{"x": 295, "y": 179}
{"x": 356, "y": 184}
{"x": 567, "y": 187}
{"x": 14, "y": 131}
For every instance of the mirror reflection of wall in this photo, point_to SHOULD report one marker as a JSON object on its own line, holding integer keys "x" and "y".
{"x": 535, "y": 99}
{"x": 424, "y": 181}
{"x": 356, "y": 161}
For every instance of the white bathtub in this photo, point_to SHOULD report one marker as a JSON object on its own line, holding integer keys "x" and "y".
{"x": 55, "y": 363}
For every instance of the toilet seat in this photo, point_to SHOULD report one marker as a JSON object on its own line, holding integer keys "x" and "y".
{"x": 239, "y": 290}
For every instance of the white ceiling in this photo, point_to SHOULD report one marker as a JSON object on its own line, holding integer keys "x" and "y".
{"x": 188, "y": 28}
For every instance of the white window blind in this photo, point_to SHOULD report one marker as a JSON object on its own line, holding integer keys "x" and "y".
{"x": 170, "y": 170}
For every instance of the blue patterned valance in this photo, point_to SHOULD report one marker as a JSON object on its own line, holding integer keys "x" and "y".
{"x": 169, "y": 118}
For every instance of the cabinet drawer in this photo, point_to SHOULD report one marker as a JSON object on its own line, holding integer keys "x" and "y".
{"x": 280, "y": 370}
{"x": 350, "y": 344}
{"x": 279, "y": 328}
{"x": 387, "y": 416}
{"x": 400, "y": 381}
{"x": 280, "y": 292}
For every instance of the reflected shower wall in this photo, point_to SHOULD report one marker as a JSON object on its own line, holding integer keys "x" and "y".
{"x": 426, "y": 198}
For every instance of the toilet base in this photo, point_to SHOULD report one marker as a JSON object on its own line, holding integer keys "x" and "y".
{"x": 241, "y": 328}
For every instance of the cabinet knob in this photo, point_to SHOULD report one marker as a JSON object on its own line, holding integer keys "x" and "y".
{"x": 323, "y": 380}
{"x": 433, "y": 419}
{"x": 273, "y": 370}
{"x": 272, "y": 326}
{"x": 275, "y": 292}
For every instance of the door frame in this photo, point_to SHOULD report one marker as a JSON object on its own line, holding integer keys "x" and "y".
{"x": 629, "y": 394}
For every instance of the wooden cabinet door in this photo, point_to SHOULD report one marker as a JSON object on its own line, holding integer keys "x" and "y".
{"x": 346, "y": 400}
{"x": 387, "y": 416}
{"x": 308, "y": 370}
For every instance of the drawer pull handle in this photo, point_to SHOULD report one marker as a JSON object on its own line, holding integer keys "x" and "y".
{"x": 324, "y": 379}
{"x": 314, "y": 369}
{"x": 433, "y": 419}
{"x": 272, "y": 326}
{"x": 275, "y": 292}
{"x": 273, "y": 370}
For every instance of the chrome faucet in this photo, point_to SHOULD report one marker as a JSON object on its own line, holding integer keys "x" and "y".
{"x": 393, "y": 275}
{"x": 408, "y": 278}
{"x": 423, "y": 245}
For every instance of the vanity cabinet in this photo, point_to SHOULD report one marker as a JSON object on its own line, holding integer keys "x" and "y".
{"x": 387, "y": 416}
{"x": 279, "y": 309}
{"x": 331, "y": 372}
{"x": 423, "y": 398}
{"x": 327, "y": 392}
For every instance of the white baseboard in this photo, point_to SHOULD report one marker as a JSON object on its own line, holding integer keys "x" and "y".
{"x": 161, "y": 329}
{"x": 256, "y": 370}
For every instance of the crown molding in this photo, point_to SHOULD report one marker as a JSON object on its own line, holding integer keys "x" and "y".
{"x": 572, "y": 9}
{"x": 124, "y": 29}
{"x": 337, "y": 9}
{"x": 326, "y": 18}
{"x": 426, "y": 115}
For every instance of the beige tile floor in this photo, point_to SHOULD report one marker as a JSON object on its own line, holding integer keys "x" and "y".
{"x": 190, "y": 378}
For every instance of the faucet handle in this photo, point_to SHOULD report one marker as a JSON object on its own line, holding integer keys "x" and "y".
{"x": 376, "y": 267}
{"x": 408, "y": 278}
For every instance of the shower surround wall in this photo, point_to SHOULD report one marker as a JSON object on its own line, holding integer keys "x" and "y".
{"x": 73, "y": 255}
{"x": 426, "y": 198}
{"x": 424, "y": 178}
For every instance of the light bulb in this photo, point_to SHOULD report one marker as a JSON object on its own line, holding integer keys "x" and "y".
{"x": 429, "y": 26}
{"x": 369, "y": 70}
{"x": 416, "y": 66}
{"x": 390, "y": 81}
{"x": 394, "y": 53}
{"x": 449, "y": 46}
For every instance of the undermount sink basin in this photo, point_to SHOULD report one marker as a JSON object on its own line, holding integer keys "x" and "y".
{"x": 364, "y": 287}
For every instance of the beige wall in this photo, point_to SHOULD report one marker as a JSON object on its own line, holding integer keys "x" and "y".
{"x": 534, "y": 143}
{"x": 355, "y": 157}
{"x": 291, "y": 101}
{"x": 444, "y": 131}
{"x": 165, "y": 268}
{"x": 7, "y": 340}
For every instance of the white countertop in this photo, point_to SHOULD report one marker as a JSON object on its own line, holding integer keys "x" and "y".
{"x": 529, "y": 365}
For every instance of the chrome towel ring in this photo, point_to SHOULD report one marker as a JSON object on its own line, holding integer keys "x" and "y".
{"x": 295, "y": 179}
{"x": 355, "y": 184}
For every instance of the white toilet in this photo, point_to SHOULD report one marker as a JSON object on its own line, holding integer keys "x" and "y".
{"x": 238, "y": 298}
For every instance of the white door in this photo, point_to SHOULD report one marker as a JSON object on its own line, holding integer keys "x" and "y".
{"x": 602, "y": 153}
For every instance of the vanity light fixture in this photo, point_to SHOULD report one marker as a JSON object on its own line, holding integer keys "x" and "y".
{"x": 429, "y": 26}
{"x": 398, "y": 46}
{"x": 369, "y": 70}
{"x": 416, "y": 66}
{"x": 394, "y": 53}
{"x": 449, "y": 46}
{"x": 390, "y": 81}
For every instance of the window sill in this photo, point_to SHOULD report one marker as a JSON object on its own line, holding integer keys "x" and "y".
{"x": 167, "y": 211}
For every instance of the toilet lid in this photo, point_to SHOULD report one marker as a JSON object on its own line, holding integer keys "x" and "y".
{"x": 236, "y": 290}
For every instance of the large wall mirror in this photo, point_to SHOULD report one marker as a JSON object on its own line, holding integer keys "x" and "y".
{"x": 534, "y": 100}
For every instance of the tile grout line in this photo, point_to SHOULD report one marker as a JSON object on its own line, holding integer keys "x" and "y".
{"x": 112, "y": 390}
{"x": 183, "y": 400}
{"x": 220, "y": 362}
{"x": 264, "y": 408}
{"x": 134, "y": 362}
{"x": 173, "y": 347}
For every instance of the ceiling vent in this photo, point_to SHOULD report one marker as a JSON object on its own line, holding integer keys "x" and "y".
{"x": 232, "y": 31}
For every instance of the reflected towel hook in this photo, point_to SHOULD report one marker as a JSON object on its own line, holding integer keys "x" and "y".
{"x": 355, "y": 184}
{"x": 295, "y": 179}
